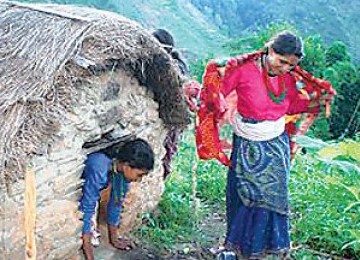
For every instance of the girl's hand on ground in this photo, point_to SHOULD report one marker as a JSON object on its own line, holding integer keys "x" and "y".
{"x": 121, "y": 243}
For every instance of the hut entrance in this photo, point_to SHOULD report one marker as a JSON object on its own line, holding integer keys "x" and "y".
{"x": 80, "y": 76}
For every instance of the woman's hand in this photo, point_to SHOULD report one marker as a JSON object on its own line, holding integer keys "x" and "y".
{"x": 192, "y": 91}
{"x": 324, "y": 100}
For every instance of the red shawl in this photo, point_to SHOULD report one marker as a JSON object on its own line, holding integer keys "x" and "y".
{"x": 212, "y": 106}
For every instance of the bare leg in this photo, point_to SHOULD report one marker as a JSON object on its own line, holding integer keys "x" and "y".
{"x": 87, "y": 247}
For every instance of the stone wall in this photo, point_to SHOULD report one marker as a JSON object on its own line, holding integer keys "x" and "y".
{"x": 108, "y": 108}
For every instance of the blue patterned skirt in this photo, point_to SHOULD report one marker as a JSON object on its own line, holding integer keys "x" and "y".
{"x": 257, "y": 197}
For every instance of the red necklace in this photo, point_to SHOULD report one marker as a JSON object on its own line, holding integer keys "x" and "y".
{"x": 281, "y": 94}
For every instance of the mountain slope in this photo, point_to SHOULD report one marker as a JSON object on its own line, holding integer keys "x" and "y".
{"x": 334, "y": 20}
{"x": 191, "y": 29}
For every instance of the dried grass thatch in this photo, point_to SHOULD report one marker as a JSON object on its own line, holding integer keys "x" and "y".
{"x": 46, "y": 51}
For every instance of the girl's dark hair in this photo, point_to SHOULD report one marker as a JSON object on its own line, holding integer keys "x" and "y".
{"x": 181, "y": 63}
{"x": 137, "y": 153}
{"x": 287, "y": 43}
{"x": 165, "y": 38}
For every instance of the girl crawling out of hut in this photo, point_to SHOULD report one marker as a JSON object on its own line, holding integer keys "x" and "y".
{"x": 117, "y": 167}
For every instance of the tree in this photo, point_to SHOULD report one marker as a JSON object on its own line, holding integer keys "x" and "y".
{"x": 346, "y": 116}
{"x": 337, "y": 52}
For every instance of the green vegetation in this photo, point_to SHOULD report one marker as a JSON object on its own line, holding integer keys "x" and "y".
{"x": 325, "y": 199}
{"x": 194, "y": 189}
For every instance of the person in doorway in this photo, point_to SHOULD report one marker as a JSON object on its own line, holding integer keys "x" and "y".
{"x": 116, "y": 167}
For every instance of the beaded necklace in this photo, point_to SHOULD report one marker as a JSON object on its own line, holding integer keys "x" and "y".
{"x": 275, "y": 97}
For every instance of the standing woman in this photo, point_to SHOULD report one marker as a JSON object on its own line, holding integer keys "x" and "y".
{"x": 257, "y": 195}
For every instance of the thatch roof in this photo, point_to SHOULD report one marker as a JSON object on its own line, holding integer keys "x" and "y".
{"x": 46, "y": 51}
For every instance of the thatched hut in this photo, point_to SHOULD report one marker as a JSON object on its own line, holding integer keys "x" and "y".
{"x": 74, "y": 80}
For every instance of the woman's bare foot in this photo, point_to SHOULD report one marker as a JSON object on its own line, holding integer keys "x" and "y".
{"x": 216, "y": 250}
{"x": 118, "y": 242}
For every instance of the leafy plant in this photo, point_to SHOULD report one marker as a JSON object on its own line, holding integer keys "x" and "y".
{"x": 325, "y": 198}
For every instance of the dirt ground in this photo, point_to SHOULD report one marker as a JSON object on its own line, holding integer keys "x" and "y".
{"x": 105, "y": 252}
{"x": 212, "y": 231}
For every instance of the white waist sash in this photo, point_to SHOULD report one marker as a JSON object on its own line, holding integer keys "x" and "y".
{"x": 261, "y": 131}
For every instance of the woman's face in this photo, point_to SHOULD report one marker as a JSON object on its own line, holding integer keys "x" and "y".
{"x": 131, "y": 174}
{"x": 280, "y": 64}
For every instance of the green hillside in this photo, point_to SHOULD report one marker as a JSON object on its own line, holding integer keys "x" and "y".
{"x": 192, "y": 31}
{"x": 333, "y": 20}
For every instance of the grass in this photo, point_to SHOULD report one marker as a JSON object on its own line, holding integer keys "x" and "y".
{"x": 192, "y": 190}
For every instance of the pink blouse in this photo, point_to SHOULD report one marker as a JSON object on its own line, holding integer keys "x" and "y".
{"x": 254, "y": 101}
